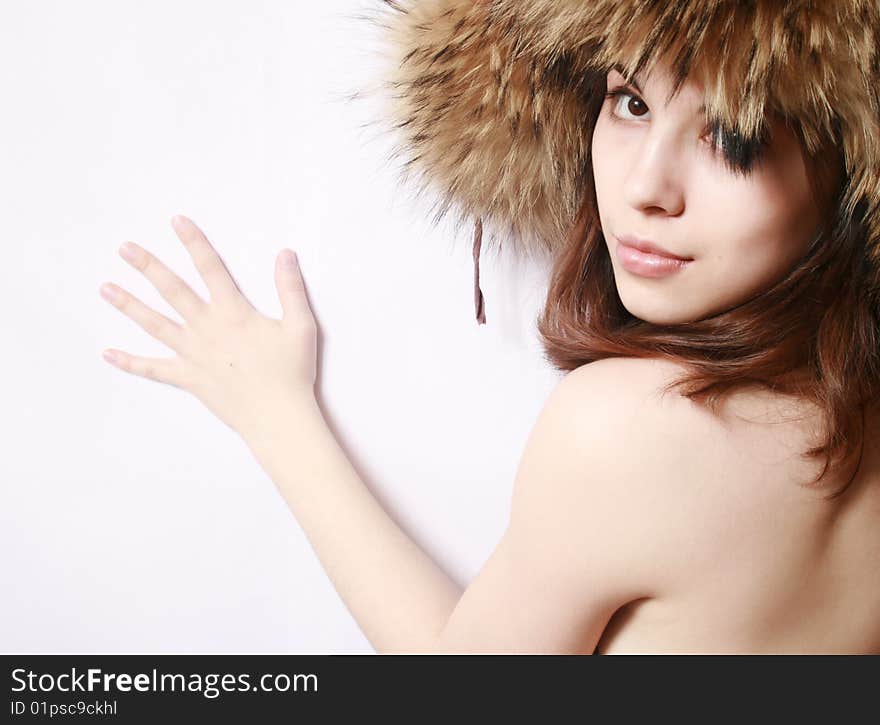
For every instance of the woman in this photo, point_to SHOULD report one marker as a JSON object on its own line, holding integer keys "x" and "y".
{"x": 704, "y": 478}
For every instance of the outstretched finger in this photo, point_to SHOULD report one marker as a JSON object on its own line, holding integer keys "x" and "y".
{"x": 173, "y": 289}
{"x": 291, "y": 288}
{"x": 162, "y": 328}
{"x": 210, "y": 265}
{"x": 162, "y": 370}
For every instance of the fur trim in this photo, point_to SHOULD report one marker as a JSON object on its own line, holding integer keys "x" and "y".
{"x": 489, "y": 97}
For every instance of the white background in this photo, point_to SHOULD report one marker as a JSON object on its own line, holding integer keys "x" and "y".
{"x": 132, "y": 519}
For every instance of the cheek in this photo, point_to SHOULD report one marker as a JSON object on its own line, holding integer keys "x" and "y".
{"x": 775, "y": 215}
{"x": 609, "y": 163}
{"x": 752, "y": 256}
{"x": 758, "y": 225}
{"x": 597, "y": 155}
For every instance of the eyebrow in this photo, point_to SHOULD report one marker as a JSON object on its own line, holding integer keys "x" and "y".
{"x": 632, "y": 81}
{"x": 619, "y": 68}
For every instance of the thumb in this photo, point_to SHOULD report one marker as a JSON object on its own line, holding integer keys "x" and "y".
{"x": 291, "y": 288}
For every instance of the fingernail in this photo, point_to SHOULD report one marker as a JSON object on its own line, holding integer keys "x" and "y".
{"x": 288, "y": 259}
{"x": 128, "y": 251}
{"x": 109, "y": 293}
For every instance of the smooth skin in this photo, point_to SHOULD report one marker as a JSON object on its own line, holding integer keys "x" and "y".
{"x": 764, "y": 564}
{"x": 659, "y": 175}
{"x": 639, "y": 522}
{"x": 553, "y": 581}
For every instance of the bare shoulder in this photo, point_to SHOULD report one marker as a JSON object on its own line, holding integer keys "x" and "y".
{"x": 624, "y": 404}
{"x": 753, "y": 440}
{"x": 623, "y": 493}
{"x": 655, "y": 482}
{"x": 600, "y": 477}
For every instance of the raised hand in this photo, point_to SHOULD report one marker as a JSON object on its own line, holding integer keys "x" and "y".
{"x": 240, "y": 363}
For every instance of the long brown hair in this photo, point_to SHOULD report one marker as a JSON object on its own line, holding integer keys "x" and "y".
{"x": 813, "y": 334}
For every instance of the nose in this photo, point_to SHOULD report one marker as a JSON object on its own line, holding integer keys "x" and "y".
{"x": 655, "y": 182}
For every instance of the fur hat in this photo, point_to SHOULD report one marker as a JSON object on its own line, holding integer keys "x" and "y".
{"x": 491, "y": 100}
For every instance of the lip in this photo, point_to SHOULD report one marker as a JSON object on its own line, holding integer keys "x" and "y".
{"x": 646, "y": 245}
{"x": 648, "y": 259}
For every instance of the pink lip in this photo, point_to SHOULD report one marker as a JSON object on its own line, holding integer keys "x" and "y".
{"x": 647, "y": 259}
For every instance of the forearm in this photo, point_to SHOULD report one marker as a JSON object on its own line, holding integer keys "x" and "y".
{"x": 399, "y": 596}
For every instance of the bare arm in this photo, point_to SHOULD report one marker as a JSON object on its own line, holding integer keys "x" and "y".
{"x": 396, "y": 592}
{"x": 591, "y": 519}
{"x": 586, "y": 533}
{"x": 257, "y": 375}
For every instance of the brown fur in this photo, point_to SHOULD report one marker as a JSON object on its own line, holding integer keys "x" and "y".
{"x": 492, "y": 98}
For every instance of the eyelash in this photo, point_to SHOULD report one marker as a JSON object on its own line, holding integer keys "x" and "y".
{"x": 622, "y": 91}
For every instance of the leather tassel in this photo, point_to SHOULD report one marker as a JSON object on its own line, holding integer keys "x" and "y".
{"x": 479, "y": 303}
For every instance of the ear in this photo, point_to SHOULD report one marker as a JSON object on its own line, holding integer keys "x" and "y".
{"x": 291, "y": 288}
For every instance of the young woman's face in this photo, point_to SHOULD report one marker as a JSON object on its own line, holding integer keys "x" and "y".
{"x": 660, "y": 177}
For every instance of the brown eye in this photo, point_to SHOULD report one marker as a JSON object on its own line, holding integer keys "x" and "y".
{"x": 635, "y": 106}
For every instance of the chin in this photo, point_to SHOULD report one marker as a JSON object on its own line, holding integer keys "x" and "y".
{"x": 655, "y": 303}
{"x": 661, "y": 319}
{"x": 658, "y": 313}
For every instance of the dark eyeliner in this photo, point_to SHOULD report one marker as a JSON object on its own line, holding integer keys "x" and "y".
{"x": 623, "y": 91}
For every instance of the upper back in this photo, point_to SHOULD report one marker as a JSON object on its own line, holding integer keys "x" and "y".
{"x": 766, "y": 562}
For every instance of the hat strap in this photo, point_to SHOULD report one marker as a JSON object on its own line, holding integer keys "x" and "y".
{"x": 479, "y": 306}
